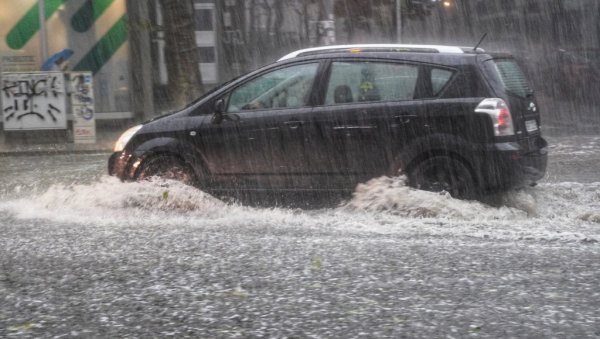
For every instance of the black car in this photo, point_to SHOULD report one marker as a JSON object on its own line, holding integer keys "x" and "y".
{"x": 448, "y": 118}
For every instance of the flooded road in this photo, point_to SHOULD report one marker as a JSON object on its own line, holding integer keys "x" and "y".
{"x": 85, "y": 255}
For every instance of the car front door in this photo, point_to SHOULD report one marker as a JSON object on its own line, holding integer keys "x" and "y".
{"x": 259, "y": 143}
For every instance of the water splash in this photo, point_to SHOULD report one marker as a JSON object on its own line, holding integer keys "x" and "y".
{"x": 392, "y": 195}
{"x": 111, "y": 200}
{"x": 566, "y": 212}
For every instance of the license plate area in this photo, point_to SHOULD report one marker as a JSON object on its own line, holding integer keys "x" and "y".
{"x": 531, "y": 126}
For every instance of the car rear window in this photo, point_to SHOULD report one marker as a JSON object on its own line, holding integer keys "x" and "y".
{"x": 439, "y": 79}
{"x": 512, "y": 77}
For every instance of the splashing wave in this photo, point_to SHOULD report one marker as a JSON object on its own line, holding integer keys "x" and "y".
{"x": 392, "y": 195}
{"x": 552, "y": 211}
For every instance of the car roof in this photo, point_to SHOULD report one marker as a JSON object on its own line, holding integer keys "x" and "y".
{"x": 387, "y": 48}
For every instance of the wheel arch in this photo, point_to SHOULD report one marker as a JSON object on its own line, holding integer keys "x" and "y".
{"x": 443, "y": 153}
{"x": 430, "y": 146}
{"x": 166, "y": 147}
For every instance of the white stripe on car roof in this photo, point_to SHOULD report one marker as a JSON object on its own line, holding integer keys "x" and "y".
{"x": 439, "y": 48}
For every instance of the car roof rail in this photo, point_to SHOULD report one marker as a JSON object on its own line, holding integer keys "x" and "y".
{"x": 375, "y": 48}
{"x": 472, "y": 50}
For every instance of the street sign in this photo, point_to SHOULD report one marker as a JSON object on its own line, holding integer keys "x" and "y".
{"x": 82, "y": 104}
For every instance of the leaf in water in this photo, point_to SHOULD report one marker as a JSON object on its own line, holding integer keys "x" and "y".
{"x": 317, "y": 263}
{"x": 26, "y": 326}
{"x": 165, "y": 195}
{"x": 475, "y": 329}
{"x": 399, "y": 320}
{"x": 239, "y": 292}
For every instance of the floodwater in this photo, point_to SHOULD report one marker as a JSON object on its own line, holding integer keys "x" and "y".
{"x": 83, "y": 254}
{"x": 77, "y": 186}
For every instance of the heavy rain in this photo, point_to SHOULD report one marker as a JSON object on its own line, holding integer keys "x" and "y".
{"x": 86, "y": 252}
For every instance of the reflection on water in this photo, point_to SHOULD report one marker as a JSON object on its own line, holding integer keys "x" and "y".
{"x": 26, "y": 174}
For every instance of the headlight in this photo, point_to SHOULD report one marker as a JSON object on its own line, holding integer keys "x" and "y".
{"x": 125, "y": 137}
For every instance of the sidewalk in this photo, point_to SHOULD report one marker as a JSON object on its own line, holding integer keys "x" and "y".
{"x": 31, "y": 145}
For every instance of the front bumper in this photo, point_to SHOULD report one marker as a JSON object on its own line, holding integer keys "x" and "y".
{"x": 120, "y": 166}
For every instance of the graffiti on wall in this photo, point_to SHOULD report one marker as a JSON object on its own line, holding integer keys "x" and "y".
{"x": 34, "y": 101}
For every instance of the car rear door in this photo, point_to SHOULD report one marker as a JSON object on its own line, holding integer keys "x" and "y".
{"x": 510, "y": 83}
{"x": 367, "y": 109}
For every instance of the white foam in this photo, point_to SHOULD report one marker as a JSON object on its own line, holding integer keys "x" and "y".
{"x": 111, "y": 201}
{"x": 392, "y": 195}
{"x": 550, "y": 212}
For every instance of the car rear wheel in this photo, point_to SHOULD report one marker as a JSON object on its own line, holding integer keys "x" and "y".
{"x": 167, "y": 167}
{"x": 442, "y": 173}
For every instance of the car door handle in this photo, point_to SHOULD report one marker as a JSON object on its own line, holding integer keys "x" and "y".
{"x": 293, "y": 124}
{"x": 404, "y": 118}
{"x": 353, "y": 127}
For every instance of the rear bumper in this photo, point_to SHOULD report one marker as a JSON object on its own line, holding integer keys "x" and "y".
{"x": 511, "y": 164}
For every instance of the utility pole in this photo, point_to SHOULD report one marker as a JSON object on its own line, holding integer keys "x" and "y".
{"x": 399, "y": 21}
{"x": 326, "y": 24}
{"x": 43, "y": 32}
{"x": 231, "y": 35}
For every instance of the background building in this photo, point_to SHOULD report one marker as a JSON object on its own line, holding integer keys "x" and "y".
{"x": 95, "y": 31}
{"x": 557, "y": 42}
{"x": 123, "y": 42}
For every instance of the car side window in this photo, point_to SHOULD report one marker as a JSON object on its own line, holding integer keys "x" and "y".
{"x": 439, "y": 79}
{"x": 370, "y": 81}
{"x": 288, "y": 87}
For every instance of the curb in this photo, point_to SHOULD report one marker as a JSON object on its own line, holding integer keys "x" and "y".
{"x": 51, "y": 151}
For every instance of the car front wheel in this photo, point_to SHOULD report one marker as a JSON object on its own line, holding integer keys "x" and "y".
{"x": 167, "y": 167}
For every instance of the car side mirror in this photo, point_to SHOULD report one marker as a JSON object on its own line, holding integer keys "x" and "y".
{"x": 220, "y": 106}
{"x": 219, "y": 109}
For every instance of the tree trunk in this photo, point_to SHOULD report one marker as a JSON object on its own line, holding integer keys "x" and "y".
{"x": 142, "y": 96}
{"x": 181, "y": 52}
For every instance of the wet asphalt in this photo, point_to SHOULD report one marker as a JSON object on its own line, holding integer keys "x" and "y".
{"x": 190, "y": 278}
{"x": 76, "y": 281}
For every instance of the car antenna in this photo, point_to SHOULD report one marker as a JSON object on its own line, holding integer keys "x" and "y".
{"x": 480, "y": 41}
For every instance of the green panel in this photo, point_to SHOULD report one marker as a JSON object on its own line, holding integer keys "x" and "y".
{"x": 105, "y": 48}
{"x": 87, "y": 15}
{"x": 29, "y": 24}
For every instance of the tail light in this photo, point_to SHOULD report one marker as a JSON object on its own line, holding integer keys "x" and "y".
{"x": 500, "y": 114}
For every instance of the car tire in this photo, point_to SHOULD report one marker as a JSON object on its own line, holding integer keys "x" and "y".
{"x": 443, "y": 173}
{"x": 167, "y": 167}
